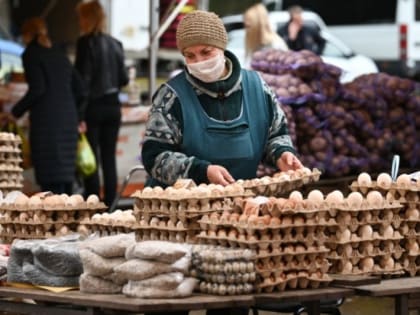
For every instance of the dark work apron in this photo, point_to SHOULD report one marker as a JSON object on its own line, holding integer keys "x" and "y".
{"x": 239, "y": 144}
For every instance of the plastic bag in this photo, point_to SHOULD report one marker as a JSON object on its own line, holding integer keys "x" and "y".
{"x": 85, "y": 160}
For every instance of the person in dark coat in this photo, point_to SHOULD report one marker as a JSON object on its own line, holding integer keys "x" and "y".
{"x": 100, "y": 61}
{"x": 54, "y": 91}
{"x": 299, "y": 36}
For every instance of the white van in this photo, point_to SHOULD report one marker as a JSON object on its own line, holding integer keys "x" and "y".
{"x": 388, "y": 31}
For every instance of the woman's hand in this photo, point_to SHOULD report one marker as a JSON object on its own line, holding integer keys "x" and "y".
{"x": 217, "y": 174}
{"x": 288, "y": 161}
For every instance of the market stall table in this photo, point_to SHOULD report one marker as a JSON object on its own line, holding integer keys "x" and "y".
{"x": 77, "y": 303}
{"x": 310, "y": 298}
{"x": 405, "y": 291}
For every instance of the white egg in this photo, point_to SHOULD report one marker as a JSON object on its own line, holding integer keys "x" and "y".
{"x": 375, "y": 199}
{"x": 384, "y": 180}
{"x": 403, "y": 181}
{"x": 296, "y": 196}
{"x": 354, "y": 200}
{"x": 316, "y": 197}
{"x": 364, "y": 179}
{"x": 334, "y": 198}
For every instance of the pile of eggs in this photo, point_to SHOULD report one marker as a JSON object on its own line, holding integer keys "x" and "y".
{"x": 286, "y": 233}
{"x": 11, "y": 177}
{"x": 223, "y": 271}
{"x": 44, "y": 215}
{"x": 406, "y": 221}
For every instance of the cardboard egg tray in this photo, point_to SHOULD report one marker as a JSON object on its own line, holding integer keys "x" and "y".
{"x": 225, "y": 289}
{"x": 357, "y": 268}
{"x": 412, "y": 265}
{"x": 164, "y": 223}
{"x": 12, "y": 176}
{"x": 222, "y": 278}
{"x": 394, "y": 187}
{"x": 172, "y": 236}
{"x": 280, "y": 183}
{"x": 266, "y": 267}
{"x": 10, "y": 167}
{"x": 193, "y": 194}
{"x": 22, "y": 231}
{"x": 293, "y": 281}
{"x": 9, "y": 137}
{"x": 107, "y": 230}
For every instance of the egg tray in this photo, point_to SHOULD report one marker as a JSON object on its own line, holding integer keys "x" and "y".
{"x": 274, "y": 269}
{"x": 6, "y": 188}
{"x": 176, "y": 237}
{"x": 293, "y": 282}
{"x": 355, "y": 257}
{"x": 36, "y": 223}
{"x": 12, "y": 176}
{"x": 10, "y": 167}
{"x": 105, "y": 230}
{"x": 357, "y": 221}
{"x": 413, "y": 233}
{"x": 365, "y": 206}
{"x": 9, "y": 148}
{"x": 115, "y": 223}
{"x": 355, "y": 239}
{"x": 36, "y": 216}
{"x": 280, "y": 183}
{"x": 226, "y": 267}
{"x": 223, "y": 289}
{"x": 82, "y": 206}
{"x": 193, "y": 195}
{"x": 392, "y": 188}
{"x": 376, "y": 270}
{"x": 348, "y": 251}
{"x": 224, "y": 256}
{"x": 165, "y": 207}
{"x": 33, "y": 234}
{"x": 232, "y": 278}
{"x": 260, "y": 225}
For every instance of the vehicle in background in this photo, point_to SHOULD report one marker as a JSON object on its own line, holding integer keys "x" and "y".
{"x": 10, "y": 55}
{"x": 388, "y": 31}
{"x": 335, "y": 51}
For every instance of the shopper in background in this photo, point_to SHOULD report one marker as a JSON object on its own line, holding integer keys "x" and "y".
{"x": 214, "y": 122}
{"x": 299, "y": 36}
{"x": 259, "y": 33}
{"x": 100, "y": 60}
{"x": 54, "y": 94}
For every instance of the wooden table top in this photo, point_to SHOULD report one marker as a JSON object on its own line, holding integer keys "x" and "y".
{"x": 121, "y": 302}
{"x": 390, "y": 287}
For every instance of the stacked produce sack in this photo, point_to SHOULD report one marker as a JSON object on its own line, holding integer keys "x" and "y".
{"x": 149, "y": 269}
{"x": 53, "y": 262}
{"x": 343, "y": 129}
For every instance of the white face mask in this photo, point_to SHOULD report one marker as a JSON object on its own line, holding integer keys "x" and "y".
{"x": 209, "y": 70}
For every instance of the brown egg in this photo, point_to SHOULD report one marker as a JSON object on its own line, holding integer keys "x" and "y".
{"x": 365, "y": 231}
{"x": 35, "y": 202}
{"x": 366, "y": 264}
{"x": 92, "y": 200}
{"x": 412, "y": 214}
{"x": 387, "y": 232}
{"x": 275, "y": 221}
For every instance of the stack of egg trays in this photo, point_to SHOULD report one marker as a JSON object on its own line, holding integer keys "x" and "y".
{"x": 281, "y": 183}
{"x": 175, "y": 218}
{"x": 11, "y": 177}
{"x": 358, "y": 244}
{"x": 224, "y": 271}
{"x": 289, "y": 255}
{"x": 24, "y": 222}
{"x": 408, "y": 217}
{"x": 410, "y": 198}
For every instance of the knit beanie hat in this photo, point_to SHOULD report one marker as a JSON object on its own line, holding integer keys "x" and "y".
{"x": 201, "y": 28}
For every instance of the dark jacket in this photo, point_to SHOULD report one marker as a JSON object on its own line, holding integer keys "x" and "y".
{"x": 100, "y": 61}
{"x": 308, "y": 38}
{"x": 55, "y": 89}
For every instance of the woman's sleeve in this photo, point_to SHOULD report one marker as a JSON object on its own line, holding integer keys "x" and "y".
{"x": 36, "y": 82}
{"x": 279, "y": 140}
{"x": 79, "y": 93}
{"x": 161, "y": 152}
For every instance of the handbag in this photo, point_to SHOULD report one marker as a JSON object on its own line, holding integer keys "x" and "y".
{"x": 85, "y": 158}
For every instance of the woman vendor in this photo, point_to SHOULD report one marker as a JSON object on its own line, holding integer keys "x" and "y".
{"x": 214, "y": 122}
